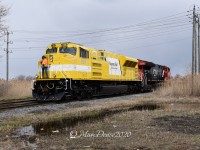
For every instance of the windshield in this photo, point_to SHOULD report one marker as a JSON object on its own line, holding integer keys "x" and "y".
{"x": 69, "y": 50}
{"x": 49, "y": 51}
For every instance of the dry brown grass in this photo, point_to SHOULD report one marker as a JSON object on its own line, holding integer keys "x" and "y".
{"x": 178, "y": 87}
{"x": 181, "y": 87}
{"x": 15, "y": 89}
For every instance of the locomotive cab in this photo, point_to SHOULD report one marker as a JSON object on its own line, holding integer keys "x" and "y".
{"x": 58, "y": 55}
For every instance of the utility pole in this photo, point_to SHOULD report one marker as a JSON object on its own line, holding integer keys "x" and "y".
{"x": 195, "y": 51}
{"x": 194, "y": 43}
{"x": 198, "y": 44}
{"x": 7, "y": 33}
{"x": 7, "y": 56}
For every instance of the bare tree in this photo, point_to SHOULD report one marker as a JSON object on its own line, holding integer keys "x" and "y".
{"x": 20, "y": 77}
{"x": 177, "y": 76}
{"x": 3, "y": 13}
{"x": 29, "y": 78}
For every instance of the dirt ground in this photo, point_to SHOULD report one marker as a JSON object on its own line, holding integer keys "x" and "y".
{"x": 172, "y": 125}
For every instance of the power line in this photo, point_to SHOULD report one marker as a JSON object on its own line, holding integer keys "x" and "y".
{"x": 151, "y": 32}
{"x": 156, "y": 44}
{"x": 139, "y": 28}
{"x": 121, "y": 38}
{"x": 160, "y": 20}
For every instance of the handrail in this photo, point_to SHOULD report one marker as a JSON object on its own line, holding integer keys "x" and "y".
{"x": 70, "y": 84}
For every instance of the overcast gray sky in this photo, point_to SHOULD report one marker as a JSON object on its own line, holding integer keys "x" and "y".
{"x": 154, "y": 30}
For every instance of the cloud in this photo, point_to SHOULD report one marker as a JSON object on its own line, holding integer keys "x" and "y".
{"x": 51, "y": 20}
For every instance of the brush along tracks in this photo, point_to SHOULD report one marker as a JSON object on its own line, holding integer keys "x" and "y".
{"x": 16, "y": 103}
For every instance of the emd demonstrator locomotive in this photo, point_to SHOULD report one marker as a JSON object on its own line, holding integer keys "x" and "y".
{"x": 78, "y": 71}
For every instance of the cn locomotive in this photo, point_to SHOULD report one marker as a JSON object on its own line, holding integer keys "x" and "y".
{"x": 76, "y": 71}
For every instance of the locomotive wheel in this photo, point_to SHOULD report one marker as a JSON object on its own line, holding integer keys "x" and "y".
{"x": 81, "y": 95}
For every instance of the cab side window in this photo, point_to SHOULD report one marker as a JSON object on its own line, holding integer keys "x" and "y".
{"x": 69, "y": 50}
{"x": 50, "y": 51}
{"x": 84, "y": 53}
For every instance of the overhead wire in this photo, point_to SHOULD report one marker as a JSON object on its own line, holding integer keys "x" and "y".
{"x": 136, "y": 36}
{"x": 131, "y": 38}
{"x": 158, "y": 29}
{"x": 140, "y": 28}
{"x": 125, "y": 27}
{"x": 156, "y": 44}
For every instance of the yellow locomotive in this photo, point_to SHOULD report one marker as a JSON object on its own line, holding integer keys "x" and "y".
{"x": 78, "y": 71}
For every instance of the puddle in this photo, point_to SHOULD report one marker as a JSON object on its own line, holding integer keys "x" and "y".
{"x": 63, "y": 125}
{"x": 60, "y": 126}
{"x": 28, "y": 137}
{"x": 28, "y": 131}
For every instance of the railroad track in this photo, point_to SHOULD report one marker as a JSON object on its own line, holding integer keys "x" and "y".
{"x": 16, "y": 103}
{"x": 19, "y": 103}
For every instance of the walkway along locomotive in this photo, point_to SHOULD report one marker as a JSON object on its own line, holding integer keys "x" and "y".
{"x": 77, "y": 71}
